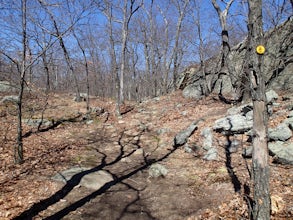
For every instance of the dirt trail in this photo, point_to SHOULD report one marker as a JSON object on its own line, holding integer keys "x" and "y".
{"x": 126, "y": 148}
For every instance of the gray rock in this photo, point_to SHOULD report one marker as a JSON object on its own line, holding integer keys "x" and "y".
{"x": 234, "y": 145}
{"x": 126, "y": 160}
{"x": 270, "y": 110}
{"x": 6, "y": 86}
{"x": 212, "y": 154}
{"x": 280, "y": 133}
{"x": 192, "y": 148}
{"x": 289, "y": 122}
{"x": 225, "y": 85}
{"x": 208, "y": 138}
{"x": 157, "y": 170}
{"x": 271, "y": 96}
{"x": 163, "y": 131}
{"x": 283, "y": 153}
{"x": 247, "y": 152}
{"x": 249, "y": 115}
{"x": 97, "y": 111}
{"x": 94, "y": 180}
{"x": 184, "y": 113}
{"x": 182, "y": 136}
{"x": 89, "y": 122}
{"x": 192, "y": 91}
{"x": 83, "y": 94}
{"x": 289, "y": 107}
{"x": 188, "y": 149}
{"x": 9, "y": 99}
{"x": 243, "y": 109}
{"x": 279, "y": 43}
{"x": 37, "y": 122}
{"x": 139, "y": 152}
{"x": 234, "y": 123}
{"x": 290, "y": 114}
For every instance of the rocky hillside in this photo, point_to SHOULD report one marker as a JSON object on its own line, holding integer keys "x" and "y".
{"x": 171, "y": 157}
{"x": 165, "y": 158}
{"x": 278, "y": 66}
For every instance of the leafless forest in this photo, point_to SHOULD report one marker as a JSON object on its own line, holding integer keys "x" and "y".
{"x": 100, "y": 83}
{"x": 138, "y": 47}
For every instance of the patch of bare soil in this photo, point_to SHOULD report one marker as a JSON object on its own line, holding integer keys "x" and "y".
{"x": 126, "y": 147}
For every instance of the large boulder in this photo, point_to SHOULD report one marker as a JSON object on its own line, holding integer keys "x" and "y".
{"x": 84, "y": 177}
{"x": 281, "y": 133}
{"x": 282, "y": 152}
{"x": 233, "y": 123}
{"x": 192, "y": 91}
{"x": 224, "y": 85}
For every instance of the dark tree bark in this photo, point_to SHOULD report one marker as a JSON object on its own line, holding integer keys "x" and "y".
{"x": 18, "y": 151}
{"x": 261, "y": 208}
{"x": 225, "y": 37}
{"x": 46, "y": 69}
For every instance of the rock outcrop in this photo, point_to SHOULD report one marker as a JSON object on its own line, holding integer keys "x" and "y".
{"x": 278, "y": 67}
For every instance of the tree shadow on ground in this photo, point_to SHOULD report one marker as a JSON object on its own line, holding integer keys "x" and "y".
{"x": 75, "y": 180}
{"x": 234, "y": 178}
{"x": 54, "y": 125}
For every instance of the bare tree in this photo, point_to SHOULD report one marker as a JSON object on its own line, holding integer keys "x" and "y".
{"x": 59, "y": 36}
{"x": 108, "y": 11}
{"x": 260, "y": 163}
{"x": 275, "y": 12}
{"x": 81, "y": 47}
{"x": 166, "y": 65}
{"x": 129, "y": 9}
{"x": 175, "y": 54}
{"x": 18, "y": 151}
{"x": 148, "y": 28}
{"x": 201, "y": 46}
{"x": 181, "y": 7}
{"x": 222, "y": 14}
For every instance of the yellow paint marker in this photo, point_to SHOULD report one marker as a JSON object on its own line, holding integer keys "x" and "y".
{"x": 260, "y": 49}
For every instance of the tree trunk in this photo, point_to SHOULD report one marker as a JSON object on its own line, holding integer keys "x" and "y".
{"x": 224, "y": 67}
{"x": 225, "y": 37}
{"x": 205, "y": 87}
{"x": 261, "y": 208}
{"x": 18, "y": 151}
{"x": 46, "y": 68}
{"x": 86, "y": 71}
{"x": 175, "y": 54}
{"x": 114, "y": 65}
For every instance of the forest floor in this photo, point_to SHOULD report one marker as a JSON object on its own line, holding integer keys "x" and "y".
{"x": 126, "y": 147}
